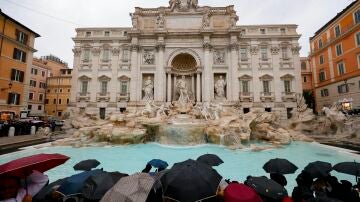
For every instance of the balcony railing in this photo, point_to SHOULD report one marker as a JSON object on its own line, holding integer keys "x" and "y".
{"x": 105, "y": 96}
{"x": 123, "y": 97}
{"x": 83, "y": 96}
{"x": 267, "y": 96}
{"x": 288, "y": 96}
{"x": 246, "y": 96}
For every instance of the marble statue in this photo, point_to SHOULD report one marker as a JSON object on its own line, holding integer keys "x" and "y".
{"x": 160, "y": 21}
{"x": 134, "y": 21}
{"x": 160, "y": 110}
{"x": 193, "y": 3}
{"x": 206, "y": 111}
{"x": 217, "y": 109}
{"x": 149, "y": 57}
{"x": 233, "y": 19}
{"x": 219, "y": 57}
{"x": 183, "y": 90}
{"x": 206, "y": 20}
{"x": 173, "y": 4}
{"x": 220, "y": 88}
{"x": 148, "y": 89}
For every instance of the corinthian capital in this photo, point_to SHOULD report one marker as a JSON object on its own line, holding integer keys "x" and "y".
{"x": 207, "y": 46}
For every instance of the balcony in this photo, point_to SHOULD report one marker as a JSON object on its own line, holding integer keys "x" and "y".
{"x": 267, "y": 96}
{"x": 246, "y": 96}
{"x": 83, "y": 97}
{"x": 288, "y": 96}
{"x": 103, "y": 97}
{"x": 121, "y": 97}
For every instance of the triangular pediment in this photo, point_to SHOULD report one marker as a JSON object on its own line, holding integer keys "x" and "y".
{"x": 123, "y": 78}
{"x": 245, "y": 77}
{"x": 84, "y": 77}
{"x": 266, "y": 77}
{"x": 287, "y": 76}
{"x": 104, "y": 78}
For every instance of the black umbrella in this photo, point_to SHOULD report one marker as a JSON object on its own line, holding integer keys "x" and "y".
{"x": 267, "y": 187}
{"x": 210, "y": 159}
{"x": 44, "y": 194}
{"x": 86, "y": 165}
{"x": 190, "y": 181}
{"x": 97, "y": 185}
{"x": 351, "y": 168}
{"x": 280, "y": 166}
{"x": 318, "y": 169}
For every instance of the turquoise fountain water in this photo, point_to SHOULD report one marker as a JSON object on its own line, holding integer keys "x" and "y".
{"x": 238, "y": 163}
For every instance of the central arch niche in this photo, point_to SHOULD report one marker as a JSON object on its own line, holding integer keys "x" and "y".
{"x": 184, "y": 62}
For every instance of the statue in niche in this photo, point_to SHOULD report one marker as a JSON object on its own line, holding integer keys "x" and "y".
{"x": 149, "y": 57}
{"x": 206, "y": 20}
{"x": 183, "y": 90}
{"x": 220, "y": 88}
{"x": 134, "y": 21}
{"x": 219, "y": 57}
{"x": 160, "y": 21}
{"x": 148, "y": 89}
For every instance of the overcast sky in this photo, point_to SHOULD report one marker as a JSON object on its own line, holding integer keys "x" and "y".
{"x": 56, "y": 20}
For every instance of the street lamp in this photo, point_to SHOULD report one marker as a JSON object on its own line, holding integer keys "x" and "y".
{"x": 10, "y": 86}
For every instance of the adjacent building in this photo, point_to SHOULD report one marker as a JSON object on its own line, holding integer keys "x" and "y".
{"x": 16, "y": 56}
{"x": 199, "y": 47}
{"x": 307, "y": 82}
{"x": 335, "y": 59}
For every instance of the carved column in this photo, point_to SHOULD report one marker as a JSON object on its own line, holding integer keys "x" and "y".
{"x": 207, "y": 74}
{"x": 169, "y": 87}
{"x": 192, "y": 83}
{"x": 135, "y": 74}
{"x": 198, "y": 87}
{"x": 160, "y": 76}
{"x": 174, "y": 92}
{"x": 233, "y": 72}
{"x": 94, "y": 86}
{"x": 75, "y": 74}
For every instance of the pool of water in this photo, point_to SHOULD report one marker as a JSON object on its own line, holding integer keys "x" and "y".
{"x": 238, "y": 164}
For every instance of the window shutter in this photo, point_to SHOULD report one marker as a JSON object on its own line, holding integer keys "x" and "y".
{"x": 25, "y": 39}
{"x": 21, "y": 76}
{"x": 17, "y": 34}
{"x": 13, "y": 74}
{"x": 9, "y": 98}
{"x": 23, "y": 59}
{"x": 18, "y": 100}
{"x": 15, "y": 53}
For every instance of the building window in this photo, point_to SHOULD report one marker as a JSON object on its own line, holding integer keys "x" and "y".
{"x": 338, "y": 49}
{"x": 268, "y": 109}
{"x": 243, "y": 53}
{"x": 32, "y": 83}
{"x": 14, "y": 98}
{"x": 284, "y": 51}
{"x": 246, "y": 110}
{"x": 262, "y": 31}
{"x": 39, "y": 107}
{"x": 43, "y": 73}
{"x": 282, "y": 30}
{"x": 321, "y": 59}
{"x": 84, "y": 85}
{"x": 86, "y": 56}
{"x": 357, "y": 16}
{"x": 107, "y": 33}
{"x": 59, "y": 114}
{"x": 303, "y": 65}
{"x": 125, "y": 55}
{"x": 29, "y": 107}
{"x": 124, "y": 88}
{"x": 60, "y": 90}
{"x": 17, "y": 75}
{"x": 103, "y": 87}
{"x": 42, "y": 85}
{"x": 106, "y": 55}
{"x": 320, "y": 43}
{"x": 344, "y": 88}
{"x": 337, "y": 31}
{"x": 19, "y": 55}
{"x": 263, "y": 51}
{"x": 88, "y": 34}
{"x": 357, "y": 39}
{"x": 287, "y": 86}
{"x": 41, "y": 97}
{"x": 31, "y": 96}
{"x": 322, "y": 75}
{"x": 54, "y": 101}
{"x": 341, "y": 68}
{"x": 67, "y": 101}
{"x": 46, "y": 101}
{"x": 68, "y": 90}
{"x": 245, "y": 86}
{"x": 305, "y": 79}
{"x": 59, "y": 101}
{"x": 34, "y": 71}
{"x": 266, "y": 87}
{"x": 358, "y": 60}
{"x": 324, "y": 92}
{"x": 21, "y": 37}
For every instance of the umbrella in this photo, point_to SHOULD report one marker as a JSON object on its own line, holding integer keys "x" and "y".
{"x": 280, "y": 166}
{"x": 24, "y": 166}
{"x": 97, "y": 185}
{"x": 86, "y": 165}
{"x": 74, "y": 184}
{"x": 267, "y": 187}
{"x": 351, "y": 168}
{"x": 44, "y": 193}
{"x": 131, "y": 188}
{"x": 158, "y": 163}
{"x": 190, "y": 181}
{"x": 210, "y": 159}
{"x": 235, "y": 192}
{"x": 318, "y": 169}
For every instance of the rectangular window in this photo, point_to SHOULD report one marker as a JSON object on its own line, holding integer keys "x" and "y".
{"x": 29, "y": 107}
{"x": 357, "y": 16}
{"x": 322, "y": 75}
{"x": 287, "y": 86}
{"x": 357, "y": 39}
{"x": 337, "y": 31}
{"x": 41, "y": 97}
{"x": 107, "y": 33}
{"x": 124, "y": 88}
{"x": 19, "y": 55}
{"x": 103, "y": 87}
{"x": 106, "y": 55}
{"x": 17, "y": 75}
{"x": 54, "y": 101}
{"x": 59, "y": 101}
{"x": 60, "y": 90}
{"x": 262, "y": 31}
{"x": 31, "y": 96}
{"x": 324, "y": 92}
{"x": 42, "y": 85}
{"x": 46, "y": 101}
{"x": 338, "y": 49}
{"x": 34, "y": 71}
{"x": 263, "y": 52}
{"x": 321, "y": 59}
{"x": 32, "y": 83}
{"x": 39, "y": 107}
{"x": 282, "y": 30}
{"x": 86, "y": 56}
{"x": 21, "y": 37}
{"x": 245, "y": 86}
{"x": 344, "y": 88}
{"x": 243, "y": 54}
{"x": 14, "y": 98}
{"x": 341, "y": 68}
{"x": 125, "y": 55}
{"x": 320, "y": 43}
{"x": 67, "y": 101}
{"x": 358, "y": 60}
{"x": 305, "y": 79}
{"x": 84, "y": 85}
{"x": 43, "y": 73}
{"x": 88, "y": 34}
{"x": 266, "y": 87}
{"x": 284, "y": 53}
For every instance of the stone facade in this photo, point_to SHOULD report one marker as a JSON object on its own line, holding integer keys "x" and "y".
{"x": 199, "y": 46}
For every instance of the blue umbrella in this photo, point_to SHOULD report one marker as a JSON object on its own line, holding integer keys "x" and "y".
{"x": 157, "y": 163}
{"x": 75, "y": 183}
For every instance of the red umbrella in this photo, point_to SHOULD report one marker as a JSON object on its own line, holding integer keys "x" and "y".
{"x": 235, "y": 192}
{"x": 23, "y": 167}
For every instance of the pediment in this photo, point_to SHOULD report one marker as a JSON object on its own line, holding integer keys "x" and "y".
{"x": 123, "y": 78}
{"x": 287, "y": 76}
{"x": 84, "y": 78}
{"x": 104, "y": 78}
{"x": 266, "y": 77}
{"x": 245, "y": 77}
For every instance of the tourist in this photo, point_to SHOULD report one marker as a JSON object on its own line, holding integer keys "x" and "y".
{"x": 302, "y": 191}
{"x": 9, "y": 187}
{"x": 147, "y": 168}
{"x": 279, "y": 178}
{"x": 348, "y": 194}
